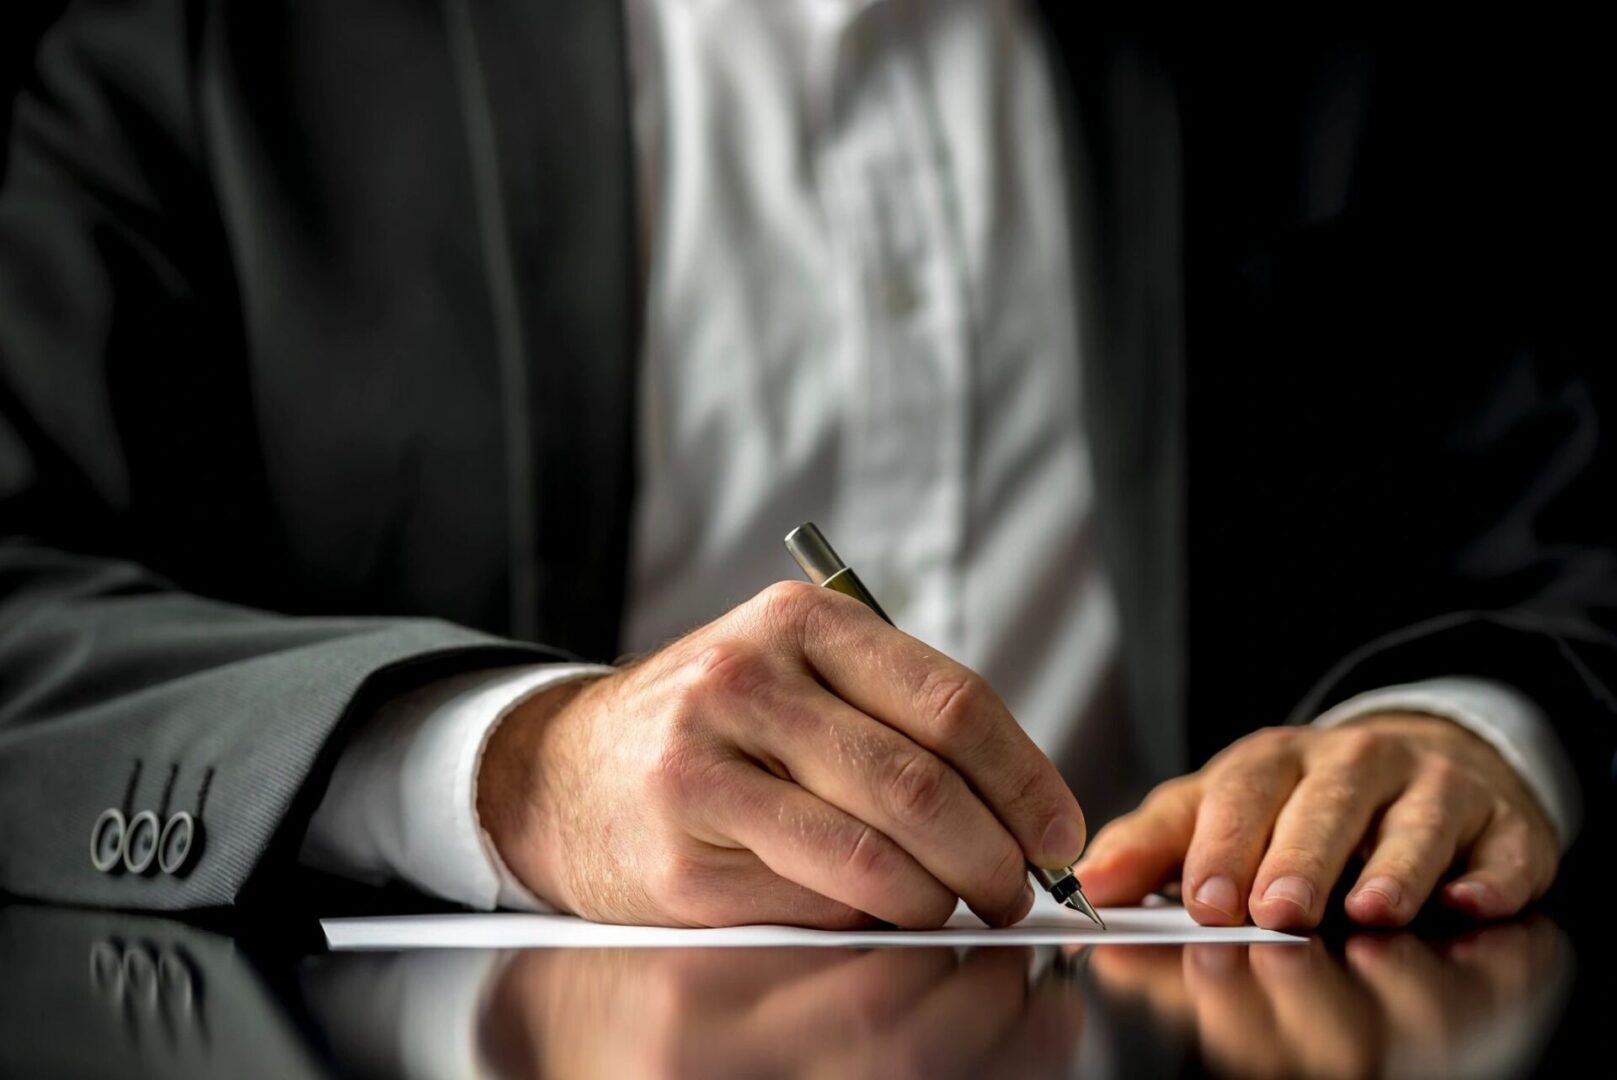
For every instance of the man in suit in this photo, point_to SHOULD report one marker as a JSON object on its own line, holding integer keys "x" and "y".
{"x": 348, "y": 352}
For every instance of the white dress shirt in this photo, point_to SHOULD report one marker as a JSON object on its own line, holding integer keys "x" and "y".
{"x": 859, "y": 311}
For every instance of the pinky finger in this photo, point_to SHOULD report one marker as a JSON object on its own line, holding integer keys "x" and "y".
{"x": 732, "y": 887}
{"x": 819, "y": 847}
{"x": 1509, "y": 867}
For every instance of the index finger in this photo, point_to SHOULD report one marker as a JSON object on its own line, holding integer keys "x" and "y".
{"x": 944, "y": 707}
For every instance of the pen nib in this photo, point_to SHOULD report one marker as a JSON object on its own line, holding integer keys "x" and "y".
{"x": 1078, "y": 902}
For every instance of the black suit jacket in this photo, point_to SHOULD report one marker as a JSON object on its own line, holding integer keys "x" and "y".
{"x": 318, "y": 329}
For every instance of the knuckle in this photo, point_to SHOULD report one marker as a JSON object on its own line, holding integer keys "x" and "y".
{"x": 1335, "y": 792}
{"x": 1422, "y": 819}
{"x": 1511, "y": 828}
{"x": 786, "y": 604}
{"x": 1452, "y": 780}
{"x": 1443, "y": 773}
{"x": 1031, "y": 798}
{"x": 681, "y": 772}
{"x": 865, "y": 854}
{"x": 1295, "y": 859}
{"x": 1219, "y": 836}
{"x": 951, "y": 703}
{"x": 1245, "y": 793}
{"x": 918, "y": 788}
{"x": 1268, "y": 740}
{"x": 728, "y": 669}
{"x": 1355, "y": 746}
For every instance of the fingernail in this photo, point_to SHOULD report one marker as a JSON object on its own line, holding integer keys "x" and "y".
{"x": 1025, "y": 904}
{"x": 1466, "y": 891}
{"x": 1219, "y": 894}
{"x": 1389, "y": 890}
{"x": 1293, "y": 889}
{"x": 1063, "y": 842}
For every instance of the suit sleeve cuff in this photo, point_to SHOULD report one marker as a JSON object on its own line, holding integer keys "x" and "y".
{"x": 1501, "y": 716}
{"x": 402, "y": 802}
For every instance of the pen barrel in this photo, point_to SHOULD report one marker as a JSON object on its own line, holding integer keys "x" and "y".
{"x": 825, "y": 568}
{"x": 814, "y": 552}
{"x": 846, "y": 582}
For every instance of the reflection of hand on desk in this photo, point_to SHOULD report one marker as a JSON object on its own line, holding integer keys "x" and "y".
{"x": 1385, "y": 1005}
{"x": 811, "y": 1012}
{"x": 1377, "y": 1004}
{"x": 81, "y": 1000}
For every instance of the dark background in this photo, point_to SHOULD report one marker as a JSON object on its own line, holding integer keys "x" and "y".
{"x": 21, "y": 22}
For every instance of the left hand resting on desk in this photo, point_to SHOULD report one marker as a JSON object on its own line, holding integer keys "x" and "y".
{"x": 1269, "y": 825}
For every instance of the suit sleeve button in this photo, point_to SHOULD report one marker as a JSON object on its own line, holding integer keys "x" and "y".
{"x": 140, "y": 842}
{"x": 107, "y": 841}
{"x": 174, "y": 849}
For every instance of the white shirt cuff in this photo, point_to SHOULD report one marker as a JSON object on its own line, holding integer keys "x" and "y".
{"x": 402, "y": 803}
{"x": 1501, "y": 716}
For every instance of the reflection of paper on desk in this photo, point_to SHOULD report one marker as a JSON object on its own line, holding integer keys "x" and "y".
{"x": 1049, "y": 924}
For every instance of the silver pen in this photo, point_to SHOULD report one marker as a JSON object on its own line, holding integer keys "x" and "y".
{"x": 823, "y": 567}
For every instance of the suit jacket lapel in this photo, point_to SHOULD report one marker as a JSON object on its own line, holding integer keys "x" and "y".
{"x": 544, "y": 90}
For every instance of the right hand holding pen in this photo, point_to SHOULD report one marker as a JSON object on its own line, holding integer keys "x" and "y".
{"x": 796, "y": 761}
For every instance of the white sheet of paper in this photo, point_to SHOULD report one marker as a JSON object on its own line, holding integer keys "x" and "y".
{"x": 1048, "y": 924}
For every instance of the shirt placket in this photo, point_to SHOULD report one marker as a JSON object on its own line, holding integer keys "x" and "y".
{"x": 901, "y": 494}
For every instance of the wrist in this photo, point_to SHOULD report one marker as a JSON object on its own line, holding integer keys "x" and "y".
{"x": 513, "y": 803}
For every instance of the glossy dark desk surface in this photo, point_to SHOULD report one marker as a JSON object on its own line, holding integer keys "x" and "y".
{"x": 96, "y": 993}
